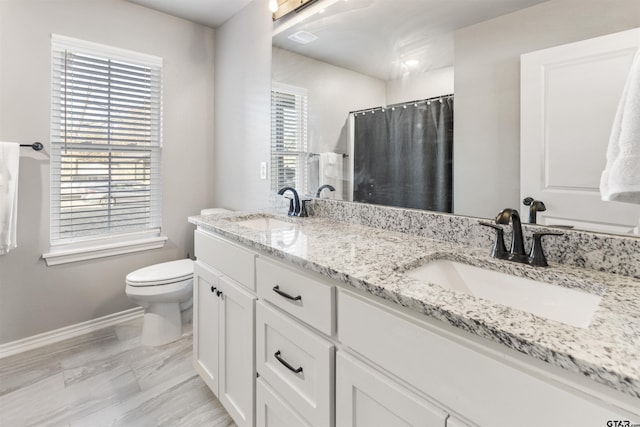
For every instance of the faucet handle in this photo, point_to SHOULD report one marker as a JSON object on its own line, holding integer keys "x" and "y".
{"x": 498, "y": 250}
{"x": 536, "y": 256}
{"x": 303, "y": 208}
{"x": 291, "y": 208}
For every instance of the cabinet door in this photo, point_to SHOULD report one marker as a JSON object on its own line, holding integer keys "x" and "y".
{"x": 273, "y": 411}
{"x": 206, "y": 316}
{"x": 366, "y": 397}
{"x": 237, "y": 363}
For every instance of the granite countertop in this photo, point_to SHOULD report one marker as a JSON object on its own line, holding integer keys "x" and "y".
{"x": 372, "y": 259}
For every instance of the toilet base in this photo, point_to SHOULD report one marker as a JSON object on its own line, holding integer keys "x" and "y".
{"x": 162, "y": 324}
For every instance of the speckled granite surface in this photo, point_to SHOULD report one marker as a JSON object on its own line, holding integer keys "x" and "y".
{"x": 373, "y": 259}
{"x": 602, "y": 252}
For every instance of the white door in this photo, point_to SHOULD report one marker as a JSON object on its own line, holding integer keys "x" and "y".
{"x": 237, "y": 362}
{"x": 205, "y": 325}
{"x": 569, "y": 97}
{"x": 367, "y": 398}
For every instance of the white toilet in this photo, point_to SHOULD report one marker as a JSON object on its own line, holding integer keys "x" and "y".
{"x": 164, "y": 291}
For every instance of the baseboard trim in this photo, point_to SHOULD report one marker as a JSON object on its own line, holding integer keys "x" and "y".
{"x": 57, "y": 335}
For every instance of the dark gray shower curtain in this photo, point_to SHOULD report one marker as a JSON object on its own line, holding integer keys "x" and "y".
{"x": 403, "y": 156}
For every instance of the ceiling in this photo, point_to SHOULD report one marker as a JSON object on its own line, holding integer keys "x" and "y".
{"x": 212, "y": 13}
{"x": 378, "y": 37}
{"x": 373, "y": 37}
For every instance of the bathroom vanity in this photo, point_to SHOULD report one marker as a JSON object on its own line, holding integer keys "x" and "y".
{"x": 315, "y": 322}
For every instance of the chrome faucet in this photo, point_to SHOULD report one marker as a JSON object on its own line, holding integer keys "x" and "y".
{"x": 330, "y": 187}
{"x": 294, "y": 204}
{"x": 516, "y": 252}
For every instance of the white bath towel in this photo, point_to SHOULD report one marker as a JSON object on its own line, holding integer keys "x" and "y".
{"x": 331, "y": 172}
{"x": 620, "y": 180}
{"x": 9, "y": 162}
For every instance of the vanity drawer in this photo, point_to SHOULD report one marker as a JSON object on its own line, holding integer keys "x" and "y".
{"x": 297, "y": 293}
{"x": 297, "y": 363}
{"x": 272, "y": 410}
{"x": 226, "y": 257}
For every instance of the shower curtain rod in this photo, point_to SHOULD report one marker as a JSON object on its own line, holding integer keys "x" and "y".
{"x": 402, "y": 104}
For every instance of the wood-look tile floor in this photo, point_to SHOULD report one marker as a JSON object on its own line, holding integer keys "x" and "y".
{"x": 107, "y": 378}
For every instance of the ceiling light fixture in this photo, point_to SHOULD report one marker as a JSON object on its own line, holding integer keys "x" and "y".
{"x": 303, "y": 37}
{"x": 273, "y": 6}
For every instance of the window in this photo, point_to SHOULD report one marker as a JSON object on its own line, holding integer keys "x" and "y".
{"x": 288, "y": 137}
{"x": 106, "y": 118}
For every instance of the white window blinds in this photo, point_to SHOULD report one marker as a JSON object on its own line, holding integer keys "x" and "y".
{"x": 106, "y": 116}
{"x": 289, "y": 137}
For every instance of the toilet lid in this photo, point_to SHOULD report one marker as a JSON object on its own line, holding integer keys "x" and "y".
{"x": 166, "y": 272}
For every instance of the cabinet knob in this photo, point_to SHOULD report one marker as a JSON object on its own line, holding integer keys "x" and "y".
{"x": 218, "y": 293}
{"x": 213, "y": 289}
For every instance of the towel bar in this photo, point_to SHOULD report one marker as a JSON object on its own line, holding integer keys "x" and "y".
{"x": 36, "y": 146}
{"x": 316, "y": 154}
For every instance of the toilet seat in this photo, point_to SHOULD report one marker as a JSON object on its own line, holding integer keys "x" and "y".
{"x": 161, "y": 274}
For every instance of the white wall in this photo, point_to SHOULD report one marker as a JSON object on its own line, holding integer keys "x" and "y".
{"x": 327, "y": 85}
{"x": 35, "y": 298}
{"x": 487, "y": 82}
{"x": 242, "y": 108}
{"x": 421, "y": 86}
{"x": 328, "y": 107}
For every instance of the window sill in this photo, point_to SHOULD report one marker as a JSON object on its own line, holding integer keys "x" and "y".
{"x": 64, "y": 256}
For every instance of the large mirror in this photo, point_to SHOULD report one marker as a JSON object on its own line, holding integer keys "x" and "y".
{"x": 340, "y": 62}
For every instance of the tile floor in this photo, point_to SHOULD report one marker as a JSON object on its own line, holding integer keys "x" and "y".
{"x": 107, "y": 378}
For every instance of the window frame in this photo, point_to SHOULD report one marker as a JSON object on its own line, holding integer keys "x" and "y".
{"x": 78, "y": 248}
{"x": 300, "y": 152}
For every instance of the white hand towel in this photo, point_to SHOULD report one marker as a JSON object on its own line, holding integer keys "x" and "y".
{"x": 620, "y": 181}
{"x": 331, "y": 173}
{"x": 9, "y": 162}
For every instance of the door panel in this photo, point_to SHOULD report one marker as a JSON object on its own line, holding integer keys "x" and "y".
{"x": 205, "y": 325}
{"x": 237, "y": 365}
{"x": 569, "y": 98}
{"x": 273, "y": 411}
{"x": 365, "y": 397}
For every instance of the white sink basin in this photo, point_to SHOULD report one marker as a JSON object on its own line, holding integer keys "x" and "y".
{"x": 265, "y": 224}
{"x": 570, "y": 306}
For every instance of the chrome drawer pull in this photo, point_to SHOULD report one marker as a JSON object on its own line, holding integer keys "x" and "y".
{"x": 286, "y": 364}
{"x": 277, "y": 290}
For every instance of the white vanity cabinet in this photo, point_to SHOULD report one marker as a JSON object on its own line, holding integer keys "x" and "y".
{"x": 365, "y": 397}
{"x": 326, "y": 354}
{"x": 223, "y": 336}
{"x": 293, "y": 359}
{"x": 486, "y": 387}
